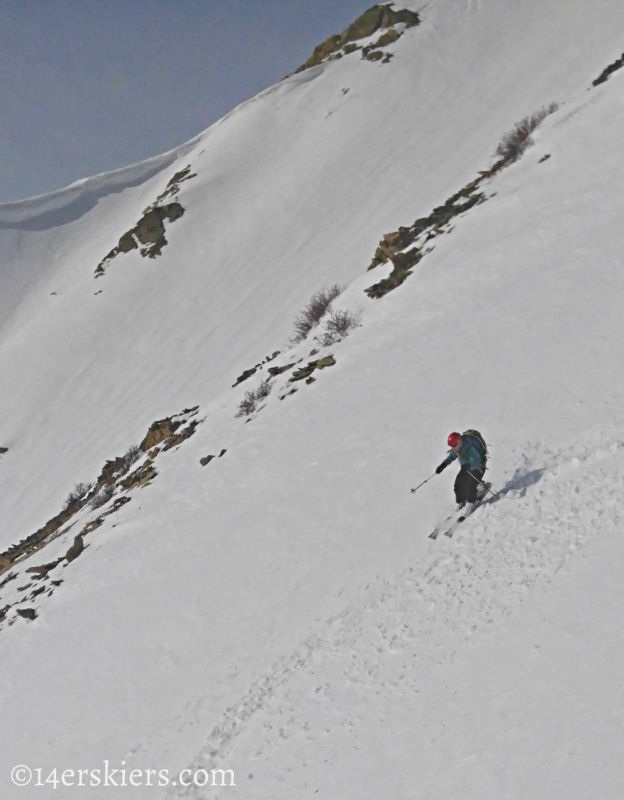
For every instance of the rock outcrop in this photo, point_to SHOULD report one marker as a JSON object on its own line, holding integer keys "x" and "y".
{"x": 306, "y": 371}
{"x": 149, "y": 232}
{"x": 27, "y": 613}
{"x": 252, "y": 371}
{"x": 164, "y": 430}
{"x": 173, "y": 187}
{"x": 171, "y": 431}
{"x": 608, "y": 71}
{"x": 75, "y": 550}
{"x": 377, "y": 18}
{"x": 407, "y": 246}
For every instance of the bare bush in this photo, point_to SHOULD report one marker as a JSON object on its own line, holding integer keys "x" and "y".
{"x": 264, "y": 390}
{"x": 133, "y": 455}
{"x": 314, "y": 312}
{"x": 78, "y": 492}
{"x": 514, "y": 143}
{"x": 102, "y": 497}
{"x": 337, "y": 326}
{"x": 248, "y": 405}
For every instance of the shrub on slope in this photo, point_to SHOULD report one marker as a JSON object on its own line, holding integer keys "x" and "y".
{"x": 514, "y": 143}
{"x": 314, "y": 312}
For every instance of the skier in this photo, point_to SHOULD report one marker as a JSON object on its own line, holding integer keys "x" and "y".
{"x": 471, "y": 451}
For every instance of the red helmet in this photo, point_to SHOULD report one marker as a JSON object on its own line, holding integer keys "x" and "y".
{"x": 454, "y": 439}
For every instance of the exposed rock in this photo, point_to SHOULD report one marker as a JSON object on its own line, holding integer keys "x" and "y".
{"x": 163, "y": 429}
{"x": 126, "y": 244}
{"x": 222, "y": 453}
{"x": 273, "y": 371}
{"x": 606, "y": 73}
{"x": 322, "y": 51}
{"x": 111, "y": 470}
{"x": 252, "y": 371}
{"x": 391, "y": 244}
{"x": 389, "y": 37}
{"x": 93, "y": 525}
{"x": 119, "y": 503}
{"x": 149, "y": 232}
{"x": 301, "y": 374}
{"x": 35, "y": 541}
{"x": 206, "y": 460}
{"x": 27, "y": 613}
{"x": 3, "y": 450}
{"x": 75, "y": 550}
{"x": 140, "y": 477}
{"x": 44, "y": 568}
{"x": 8, "y": 578}
{"x": 159, "y": 431}
{"x": 182, "y": 436}
{"x": 376, "y": 18}
{"x": 407, "y": 246}
{"x": 246, "y": 374}
{"x": 173, "y": 187}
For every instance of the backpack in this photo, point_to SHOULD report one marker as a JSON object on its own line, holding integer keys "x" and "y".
{"x": 479, "y": 441}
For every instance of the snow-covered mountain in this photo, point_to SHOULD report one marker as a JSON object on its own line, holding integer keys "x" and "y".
{"x": 278, "y": 610}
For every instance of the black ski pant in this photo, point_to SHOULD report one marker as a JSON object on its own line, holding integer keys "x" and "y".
{"x": 466, "y": 487}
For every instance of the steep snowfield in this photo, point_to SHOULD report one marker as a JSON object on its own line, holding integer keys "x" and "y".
{"x": 293, "y": 190}
{"x": 281, "y": 611}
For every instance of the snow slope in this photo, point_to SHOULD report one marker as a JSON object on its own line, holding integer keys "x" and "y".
{"x": 293, "y": 190}
{"x": 281, "y": 611}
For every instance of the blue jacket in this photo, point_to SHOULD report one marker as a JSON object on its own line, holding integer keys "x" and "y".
{"x": 469, "y": 455}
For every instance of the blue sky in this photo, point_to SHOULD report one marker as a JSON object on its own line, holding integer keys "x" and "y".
{"x": 87, "y": 86}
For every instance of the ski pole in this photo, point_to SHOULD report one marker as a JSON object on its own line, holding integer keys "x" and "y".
{"x": 424, "y": 482}
{"x": 483, "y": 486}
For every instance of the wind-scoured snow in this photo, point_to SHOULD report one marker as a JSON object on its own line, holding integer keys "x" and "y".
{"x": 281, "y": 611}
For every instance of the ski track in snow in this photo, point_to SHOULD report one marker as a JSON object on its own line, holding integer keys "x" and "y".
{"x": 395, "y": 630}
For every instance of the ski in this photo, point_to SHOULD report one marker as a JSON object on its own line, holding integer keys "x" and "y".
{"x": 453, "y": 527}
{"x": 481, "y": 500}
{"x": 440, "y": 527}
{"x": 463, "y": 518}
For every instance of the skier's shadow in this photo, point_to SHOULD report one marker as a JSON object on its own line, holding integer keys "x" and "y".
{"x": 521, "y": 481}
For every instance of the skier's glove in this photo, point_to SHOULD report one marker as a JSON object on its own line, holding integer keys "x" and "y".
{"x": 440, "y": 468}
